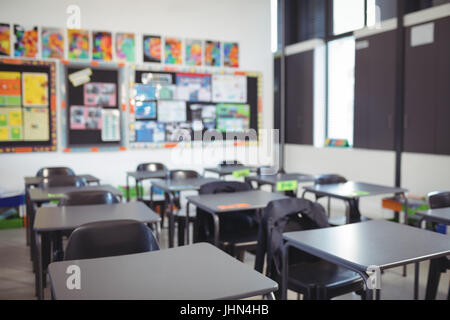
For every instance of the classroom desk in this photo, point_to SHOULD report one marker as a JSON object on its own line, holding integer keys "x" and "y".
{"x": 228, "y": 170}
{"x": 39, "y": 196}
{"x": 436, "y": 215}
{"x": 171, "y": 187}
{"x": 50, "y": 221}
{"x": 140, "y": 176}
{"x": 378, "y": 243}
{"x": 272, "y": 180}
{"x": 196, "y": 272}
{"x": 222, "y": 203}
{"x": 353, "y": 191}
{"x": 34, "y": 182}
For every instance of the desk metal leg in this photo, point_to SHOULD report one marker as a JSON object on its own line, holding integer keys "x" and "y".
{"x": 171, "y": 220}
{"x": 270, "y": 296}
{"x": 405, "y": 199}
{"x": 416, "y": 281}
{"x": 128, "y": 188}
{"x": 284, "y": 272}
{"x": 187, "y": 224}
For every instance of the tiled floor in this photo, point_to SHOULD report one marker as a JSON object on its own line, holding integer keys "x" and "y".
{"x": 17, "y": 278}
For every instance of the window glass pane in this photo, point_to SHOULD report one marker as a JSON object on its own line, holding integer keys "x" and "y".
{"x": 341, "y": 83}
{"x": 348, "y": 15}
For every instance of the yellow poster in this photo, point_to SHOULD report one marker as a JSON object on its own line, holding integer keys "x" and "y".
{"x": 15, "y": 118}
{"x": 36, "y": 124}
{"x": 35, "y": 89}
{"x": 4, "y": 134}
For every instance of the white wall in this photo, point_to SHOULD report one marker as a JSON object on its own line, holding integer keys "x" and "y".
{"x": 244, "y": 21}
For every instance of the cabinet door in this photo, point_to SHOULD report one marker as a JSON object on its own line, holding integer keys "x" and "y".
{"x": 443, "y": 86}
{"x": 420, "y": 98}
{"x": 277, "y": 93}
{"x": 299, "y": 98}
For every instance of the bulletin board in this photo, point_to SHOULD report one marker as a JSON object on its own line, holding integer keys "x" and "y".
{"x": 167, "y": 102}
{"x": 93, "y": 106}
{"x": 27, "y": 106}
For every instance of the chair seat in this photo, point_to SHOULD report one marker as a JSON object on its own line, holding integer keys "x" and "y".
{"x": 321, "y": 274}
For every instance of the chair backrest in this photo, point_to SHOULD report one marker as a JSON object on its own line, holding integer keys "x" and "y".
{"x": 330, "y": 179}
{"x": 182, "y": 174}
{"x": 281, "y": 216}
{"x": 108, "y": 239}
{"x": 230, "y": 163}
{"x": 55, "y": 171}
{"x": 62, "y": 181}
{"x": 268, "y": 170}
{"x": 438, "y": 199}
{"x": 151, "y": 166}
{"x": 224, "y": 187}
{"x": 80, "y": 198}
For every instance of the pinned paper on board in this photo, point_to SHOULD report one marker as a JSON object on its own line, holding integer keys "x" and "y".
{"x": 102, "y": 46}
{"x": 36, "y": 124}
{"x": 151, "y": 48}
{"x": 10, "y": 88}
{"x": 26, "y": 41}
{"x": 171, "y": 111}
{"x": 229, "y": 88}
{"x": 52, "y": 43}
{"x": 156, "y": 78}
{"x": 145, "y": 110}
{"x": 193, "y": 53}
{"x": 231, "y": 54}
{"x": 194, "y": 87}
{"x": 212, "y": 53}
{"x": 100, "y": 94}
{"x": 125, "y": 47}
{"x": 85, "y": 118}
{"x": 150, "y": 131}
{"x": 110, "y": 125}
{"x": 173, "y": 51}
{"x": 144, "y": 92}
{"x": 10, "y": 124}
{"x": 78, "y": 44}
{"x": 35, "y": 89}
{"x": 80, "y": 77}
{"x": 233, "y": 117}
{"x": 5, "y": 39}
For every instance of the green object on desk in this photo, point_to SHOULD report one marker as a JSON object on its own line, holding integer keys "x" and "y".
{"x": 55, "y": 195}
{"x": 291, "y": 185}
{"x": 359, "y": 194}
{"x": 241, "y": 173}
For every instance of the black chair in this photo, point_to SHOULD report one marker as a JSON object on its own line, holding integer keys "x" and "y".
{"x": 233, "y": 163}
{"x": 55, "y": 171}
{"x": 313, "y": 277}
{"x": 437, "y": 200}
{"x": 79, "y": 198}
{"x": 152, "y": 167}
{"x": 238, "y": 230}
{"x": 62, "y": 181}
{"x": 180, "y": 217}
{"x": 110, "y": 238}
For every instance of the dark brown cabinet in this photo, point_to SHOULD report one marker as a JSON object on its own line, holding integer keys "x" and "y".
{"x": 427, "y": 100}
{"x": 375, "y": 91}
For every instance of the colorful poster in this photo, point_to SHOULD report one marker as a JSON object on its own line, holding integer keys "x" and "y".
{"x": 35, "y": 89}
{"x": 151, "y": 48}
{"x": 173, "y": 53}
{"x": 110, "y": 125}
{"x": 52, "y": 43}
{"x": 193, "y": 87}
{"x": 100, "y": 94}
{"x": 165, "y": 92}
{"x": 10, "y": 88}
{"x": 36, "y": 124}
{"x": 150, "y": 131}
{"x": 172, "y": 111}
{"x": 145, "y": 110}
{"x": 125, "y": 47}
{"x": 203, "y": 117}
{"x": 10, "y": 124}
{"x": 26, "y": 41}
{"x": 78, "y": 44}
{"x": 5, "y": 39}
{"x": 144, "y": 92}
{"x": 231, "y": 54}
{"x": 193, "y": 52}
{"x": 212, "y": 53}
{"x": 233, "y": 117}
{"x": 229, "y": 88}
{"x": 102, "y": 46}
{"x": 85, "y": 118}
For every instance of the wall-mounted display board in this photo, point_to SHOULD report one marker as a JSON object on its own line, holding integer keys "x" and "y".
{"x": 93, "y": 106}
{"x": 173, "y": 105}
{"x": 27, "y": 105}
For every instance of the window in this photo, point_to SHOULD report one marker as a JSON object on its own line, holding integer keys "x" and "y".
{"x": 348, "y": 15}
{"x": 341, "y": 83}
{"x": 274, "y": 12}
